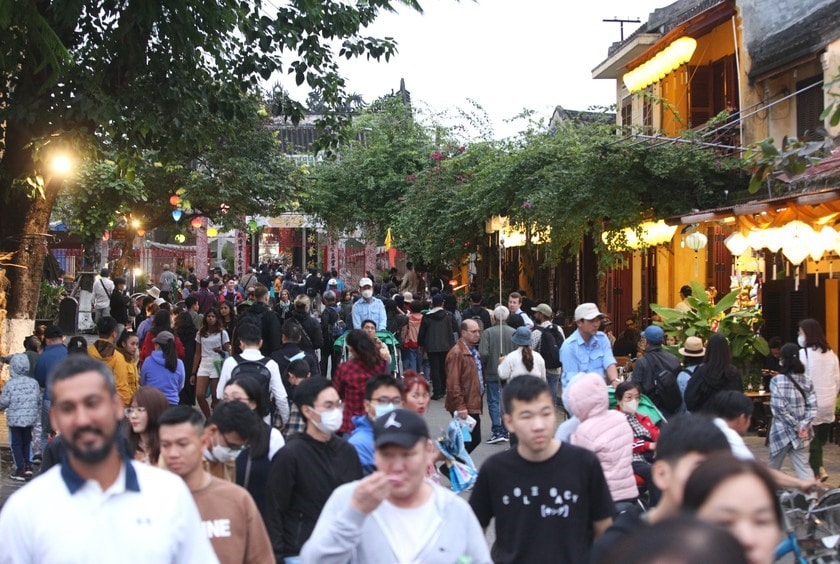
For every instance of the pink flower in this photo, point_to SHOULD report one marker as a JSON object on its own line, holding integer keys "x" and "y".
{"x": 526, "y": 204}
{"x": 437, "y": 155}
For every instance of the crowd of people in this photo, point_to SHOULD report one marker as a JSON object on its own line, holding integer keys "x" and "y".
{"x": 226, "y": 425}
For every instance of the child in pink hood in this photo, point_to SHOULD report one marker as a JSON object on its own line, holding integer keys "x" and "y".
{"x": 605, "y": 432}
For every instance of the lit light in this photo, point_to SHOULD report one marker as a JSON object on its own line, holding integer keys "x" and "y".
{"x": 696, "y": 241}
{"x": 653, "y": 234}
{"x": 61, "y": 164}
{"x": 176, "y": 215}
{"x": 138, "y": 271}
{"x": 737, "y": 244}
{"x": 141, "y": 232}
{"x": 174, "y": 199}
{"x": 180, "y": 238}
{"x": 195, "y": 223}
{"x": 666, "y": 61}
{"x": 212, "y": 232}
{"x": 135, "y": 223}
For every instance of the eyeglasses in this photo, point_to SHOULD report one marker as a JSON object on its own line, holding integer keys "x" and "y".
{"x": 382, "y": 400}
{"x": 129, "y": 411}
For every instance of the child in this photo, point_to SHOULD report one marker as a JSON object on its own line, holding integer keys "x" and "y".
{"x": 22, "y": 398}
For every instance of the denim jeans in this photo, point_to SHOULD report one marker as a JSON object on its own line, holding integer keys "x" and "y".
{"x": 21, "y": 437}
{"x": 798, "y": 458}
{"x": 411, "y": 360}
{"x": 553, "y": 380}
{"x": 494, "y": 408}
{"x": 46, "y": 427}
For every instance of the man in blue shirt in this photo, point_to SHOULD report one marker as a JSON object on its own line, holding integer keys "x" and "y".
{"x": 54, "y": 352}
{"x": 587, "y": 350}
{"x": 368, "y": 307}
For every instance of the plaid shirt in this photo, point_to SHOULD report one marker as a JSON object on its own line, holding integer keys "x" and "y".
{"x": 349, "y": 381}
{"x": 296, "y": 424}
{"x": 790, "y": 411}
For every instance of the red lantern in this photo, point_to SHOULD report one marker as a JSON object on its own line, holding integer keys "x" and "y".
{"x": 175, "y": 199}
{"x": 195, "y": 223}
{"x": 106, "y": 235}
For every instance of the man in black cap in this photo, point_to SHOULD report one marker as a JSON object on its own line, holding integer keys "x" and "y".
{"x": 395, "y": 515}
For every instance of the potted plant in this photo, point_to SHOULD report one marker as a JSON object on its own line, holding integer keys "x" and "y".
{"x": 48, "y": 301}
{"x": 738, "y": 324}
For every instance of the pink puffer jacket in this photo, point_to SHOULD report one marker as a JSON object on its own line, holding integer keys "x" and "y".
{"x": 605, "y": 432}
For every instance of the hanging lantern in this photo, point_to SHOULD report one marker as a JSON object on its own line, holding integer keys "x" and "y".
{"x": 180, "y": 238}
{"x": 195, "y": 223}
{"x": 106, "y": 235}
{"x": 737, "y": 244}
{"x": 773, "y": 239}
{"x": 696, "y": 241}
{"x": 175, "y": 199}
{"x": 141, "y": 232}
{"x": 821, "y": 242}
{"x": 252, "y": 225}
{"x": 176, "y": 215}
{"x": 212, "y": 232}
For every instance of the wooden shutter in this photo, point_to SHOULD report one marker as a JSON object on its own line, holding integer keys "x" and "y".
{"x": 809, "y": 105}
{"x": 700, "y": 95}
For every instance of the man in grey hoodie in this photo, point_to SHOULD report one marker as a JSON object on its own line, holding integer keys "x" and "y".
{"x": 395, "y": 514}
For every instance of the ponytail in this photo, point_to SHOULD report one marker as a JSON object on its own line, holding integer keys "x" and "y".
{"x": 170, "y": 356}
{"x": 527, "y": 358}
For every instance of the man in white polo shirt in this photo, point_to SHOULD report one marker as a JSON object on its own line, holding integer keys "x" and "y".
{"x": 96, "y": 505}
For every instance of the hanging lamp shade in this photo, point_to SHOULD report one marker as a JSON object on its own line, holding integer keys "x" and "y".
{"x": 795, "y": 253}
{"x": 696, "y": 241}
{"x": 737, "y": 244}
{"x": 174, "y": 199}
{"x": 821, "y": 242}
{"x": 176, "y": 215}
{"x": 180, "y": 238}
{"x": 773, "y": 239}
{"x": 212, "y": 232}
{"x": 195, "y": 223}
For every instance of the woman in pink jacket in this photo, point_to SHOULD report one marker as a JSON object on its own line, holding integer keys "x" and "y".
{"x": 607, "y": 433}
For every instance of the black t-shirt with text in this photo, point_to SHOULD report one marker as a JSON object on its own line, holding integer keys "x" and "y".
{"x": 543, "y": 510}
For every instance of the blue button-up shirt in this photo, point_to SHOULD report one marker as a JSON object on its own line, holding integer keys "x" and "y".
{"x": 373, "y": 310}
{"x": 580, "y": 357}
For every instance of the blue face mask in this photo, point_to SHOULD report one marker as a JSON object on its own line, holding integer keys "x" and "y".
{"x": 383, "y": 409}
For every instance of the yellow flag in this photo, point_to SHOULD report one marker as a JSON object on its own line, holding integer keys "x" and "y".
{"x": 389, "y": 240}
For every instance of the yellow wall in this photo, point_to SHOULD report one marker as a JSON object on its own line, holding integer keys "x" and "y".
{"x": 832, "y": 325}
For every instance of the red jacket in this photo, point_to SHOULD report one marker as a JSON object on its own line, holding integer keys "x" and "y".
{"x": 640, "y": 445}
{"x": 149, "y": 346}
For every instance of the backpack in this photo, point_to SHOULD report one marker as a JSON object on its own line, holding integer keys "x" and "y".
{"x": 258, "y": 370}
{"x": 411, "y": 330}
{"x": 334, "y": 326}
{"x": 550, "y": 345}
{"x": 667, "y": 390}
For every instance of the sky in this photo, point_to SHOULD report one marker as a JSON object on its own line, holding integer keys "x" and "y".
{"x": 507, "y": 55}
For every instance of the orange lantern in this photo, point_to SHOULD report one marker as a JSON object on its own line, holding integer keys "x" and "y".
{"x": 106, "y": 235}
{"x": 174, "y": 199}
{"x": 141, "y": 232}
{"x": 196, "y": 222}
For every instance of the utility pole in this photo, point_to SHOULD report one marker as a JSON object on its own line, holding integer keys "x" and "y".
{"x": 622, "y": 22}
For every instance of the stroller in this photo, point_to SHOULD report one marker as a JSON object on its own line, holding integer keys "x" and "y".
{"x": 390, "y": 341}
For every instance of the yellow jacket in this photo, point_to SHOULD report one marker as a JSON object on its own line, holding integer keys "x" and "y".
{"x": 119, "y": 367}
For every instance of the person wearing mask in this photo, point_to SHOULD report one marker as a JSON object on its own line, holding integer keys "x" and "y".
{"x": 231, "y": 518}
{"x": 383, "y": 394}
{"x": 496, "y": 342}
{"x": 253, "y": 464}
{"x": 164, "y": 370}
{"x": 822, "y": 368}
{"x": 147, "y": 405}
{"x": 740, "y": 496}
{"x": 308, "y": 469}
{"x": 368, "y": 307}
{"x": 394, "y": 514}
{"x": 645, "y": 434}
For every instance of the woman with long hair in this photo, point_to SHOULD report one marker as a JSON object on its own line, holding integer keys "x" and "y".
{"x": 162, "y": 321}
{"x": 227, "y": 313}
{"x": 822, "y": 369}
{"x": 163, "y": 369}
{"x": 716, "y": 373}
{"x": 185, "y": 330}
{"x": 147, "y": 405}
{"x": 352, "y": 375}
{"x": 128, "y": 345}
{"x": 212, "y": 342}
{"x": 794, "y": 406}
{"x": 253, "y": 464}
{"x": 522, "y": 360}
{"x": 740, "y": 496}
{"x": 77, "y": 345}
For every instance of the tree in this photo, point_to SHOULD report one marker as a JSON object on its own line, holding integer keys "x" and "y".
{"x": 129, "y": 78}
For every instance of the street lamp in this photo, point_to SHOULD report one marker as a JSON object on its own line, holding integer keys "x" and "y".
{"x": 60, "y": 164}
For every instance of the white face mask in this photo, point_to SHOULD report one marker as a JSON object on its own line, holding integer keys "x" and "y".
{"x": 801, "y": 340}
{"x": 223, "y": 453}
{"x": 330, "y": 421}
{"x": 367, "y": 294}
{"x": 384, "y": 409}
{"x": 630, "y": 406}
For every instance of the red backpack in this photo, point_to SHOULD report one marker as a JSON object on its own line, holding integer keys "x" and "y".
{"x": 411, "y": 330}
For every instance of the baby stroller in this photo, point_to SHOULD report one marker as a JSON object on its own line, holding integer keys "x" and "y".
{"x": 390, "y": 341}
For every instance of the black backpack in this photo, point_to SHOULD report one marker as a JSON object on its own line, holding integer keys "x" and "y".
{"x": 667, "y": 390}
{"x": 550, "y": 345}
{"x": 258, "y": 370}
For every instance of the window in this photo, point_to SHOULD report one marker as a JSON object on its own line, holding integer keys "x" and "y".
{"x": 627, "y": 111}
{"x": 712, "y": 89}
{"x": 809, "y": 105}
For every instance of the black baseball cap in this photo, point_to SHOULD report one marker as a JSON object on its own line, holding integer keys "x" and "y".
{"x": 399, "y": 427}
{"x": 53, "y": 332}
